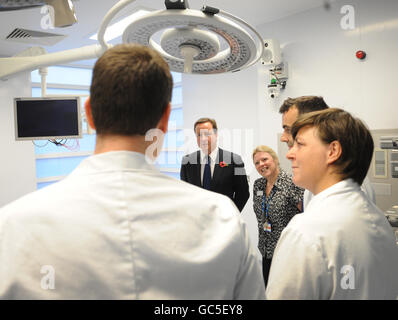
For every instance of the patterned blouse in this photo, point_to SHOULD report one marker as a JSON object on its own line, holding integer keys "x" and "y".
{"x": 282, "y": 206}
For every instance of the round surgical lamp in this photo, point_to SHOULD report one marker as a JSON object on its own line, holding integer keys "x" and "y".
{"x": 190, "y": 40}
{"x": 187, "y": 44}
{"x": 209, "y": 41}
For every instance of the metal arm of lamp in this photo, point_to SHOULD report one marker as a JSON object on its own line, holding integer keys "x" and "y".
{"x": 14, "y": 65}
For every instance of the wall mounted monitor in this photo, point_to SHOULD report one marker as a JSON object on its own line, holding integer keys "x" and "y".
{"x": 47, "y": 118}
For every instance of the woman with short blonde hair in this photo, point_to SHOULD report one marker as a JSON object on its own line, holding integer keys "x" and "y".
{"x": 275, "y": 201}
{"x": 263, "y": 148}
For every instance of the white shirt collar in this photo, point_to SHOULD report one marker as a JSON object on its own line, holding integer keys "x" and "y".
{"x": 213, "y": 155}
{"x": 115, "y": 160}
{"x": 339, "y": 187}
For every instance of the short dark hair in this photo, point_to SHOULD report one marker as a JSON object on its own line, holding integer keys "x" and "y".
{"x": 130, "y": 90}
{"x": 354, "y": 137}
{"x": 204, "y": 120}
{"x": 304, "y": 104}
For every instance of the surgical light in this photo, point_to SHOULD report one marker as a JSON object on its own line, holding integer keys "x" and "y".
{"x": 206, "y": 41}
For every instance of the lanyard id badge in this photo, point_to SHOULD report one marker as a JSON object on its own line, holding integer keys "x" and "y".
{"x": 267, "y": 225}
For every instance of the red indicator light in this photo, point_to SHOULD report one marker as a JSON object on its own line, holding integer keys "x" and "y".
{"x": 360, "y": 54}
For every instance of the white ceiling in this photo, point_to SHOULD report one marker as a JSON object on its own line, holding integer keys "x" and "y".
{"x": 91, "y": 12}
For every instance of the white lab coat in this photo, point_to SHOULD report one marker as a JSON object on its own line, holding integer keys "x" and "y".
{"x": 341, "y": 247}
{"x": 116, "y": 228}
{"x": 366, "y": 188}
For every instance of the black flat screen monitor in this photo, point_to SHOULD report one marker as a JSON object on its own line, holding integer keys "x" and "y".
{"x": 47, "y": 118}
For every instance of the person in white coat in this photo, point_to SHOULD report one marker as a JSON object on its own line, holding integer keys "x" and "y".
{"x": 342, "y": 246}
{"x": 291, "y": 109}
{"x": 116, "y": 228}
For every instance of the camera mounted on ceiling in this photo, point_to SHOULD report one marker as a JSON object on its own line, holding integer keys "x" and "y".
{"x": 176, "y": 4}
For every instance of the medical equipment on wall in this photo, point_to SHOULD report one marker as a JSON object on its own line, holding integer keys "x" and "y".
{"x": 389, "y": 142}
{"x": 383, "y": 173}
{"x": 278, "y": 78}
{"x": 208, "y": 41}
{"x": 277, "y": 69}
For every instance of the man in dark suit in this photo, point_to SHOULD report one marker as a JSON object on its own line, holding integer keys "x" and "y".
{"x": 213, "y": 168}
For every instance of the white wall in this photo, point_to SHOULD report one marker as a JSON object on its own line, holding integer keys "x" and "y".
{"x": 321, "y": 59}
{"x": 17, "y": 167}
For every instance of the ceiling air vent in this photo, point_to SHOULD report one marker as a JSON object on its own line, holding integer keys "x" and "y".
{"x": 34, "y": 37}
{"x": 8, "y": 5}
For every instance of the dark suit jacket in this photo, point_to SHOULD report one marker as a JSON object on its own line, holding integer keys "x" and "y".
{"x": 229, "y": 176}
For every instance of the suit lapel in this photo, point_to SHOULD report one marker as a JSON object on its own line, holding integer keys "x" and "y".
{"x": 197, "y": 170}
{"x": 217, "y": 168}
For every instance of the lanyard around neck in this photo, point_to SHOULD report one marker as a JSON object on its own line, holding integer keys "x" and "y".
{"x": 265, "y": 206}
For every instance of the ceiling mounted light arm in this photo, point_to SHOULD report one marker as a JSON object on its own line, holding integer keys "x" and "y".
{"x": 14, "y": 65}
{"x": 107, "y": 19}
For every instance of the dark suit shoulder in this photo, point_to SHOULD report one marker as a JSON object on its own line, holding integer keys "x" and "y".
{"x": 231, "y": 157}
{"x": 191, "y": 158}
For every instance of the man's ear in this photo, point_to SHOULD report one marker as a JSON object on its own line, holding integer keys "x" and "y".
{"x": 334, "y": 152}
{"x": 164, "y": 120}
{"x": 89, "y": 116}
